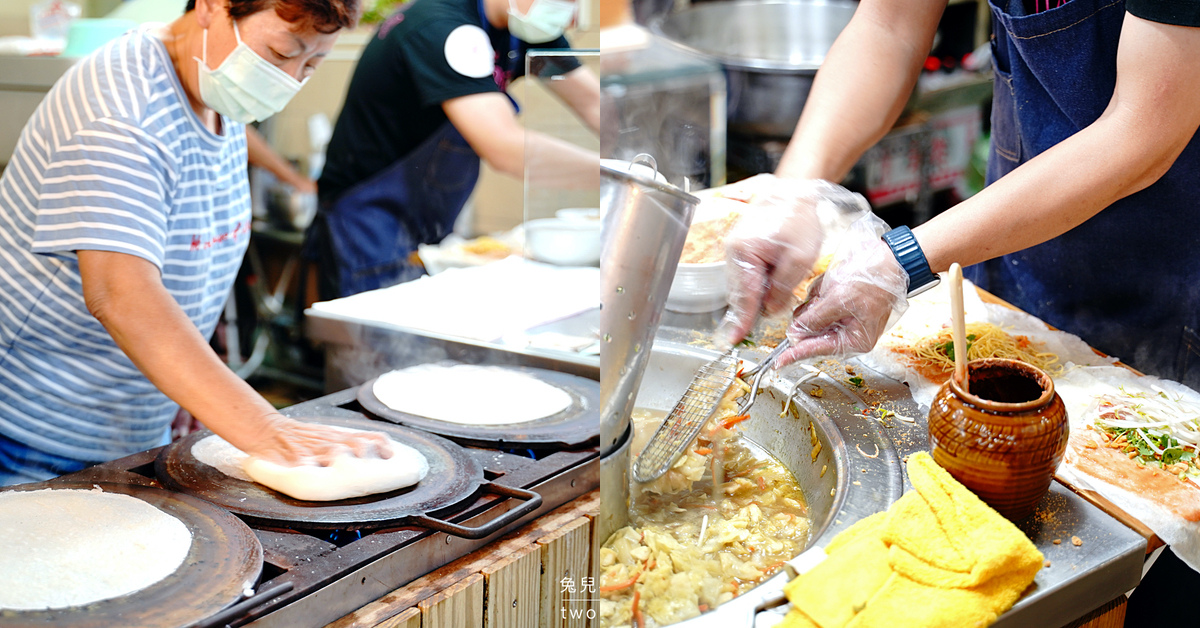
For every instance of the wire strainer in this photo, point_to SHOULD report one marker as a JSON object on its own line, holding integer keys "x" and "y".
{"x": 690, "y": 414}
{"x": 695, "y": 408}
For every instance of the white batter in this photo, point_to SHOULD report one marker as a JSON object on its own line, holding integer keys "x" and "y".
{"x": 470, "y": 395}
{"x": 346, "y": 477}
{"x": 72, "y": 547}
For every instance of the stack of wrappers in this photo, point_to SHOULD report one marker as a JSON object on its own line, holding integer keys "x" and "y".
{"x": 939, "y": 557}
{"x": 1086, "y": 376}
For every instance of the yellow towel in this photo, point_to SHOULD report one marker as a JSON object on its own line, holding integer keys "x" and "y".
{"x": 939, "y": 557}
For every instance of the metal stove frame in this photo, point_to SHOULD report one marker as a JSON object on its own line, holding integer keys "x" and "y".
{"x": 328, "y": 580}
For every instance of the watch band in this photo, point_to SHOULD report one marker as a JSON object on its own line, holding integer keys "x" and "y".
{"x": 912, "y": 259}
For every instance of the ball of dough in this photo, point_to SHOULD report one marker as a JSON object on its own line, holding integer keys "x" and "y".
{"x": 346, "y": 477}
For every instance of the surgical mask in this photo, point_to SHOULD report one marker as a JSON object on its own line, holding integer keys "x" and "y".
{"x": 245, "y": 87}
{"x": 545, "y": 21}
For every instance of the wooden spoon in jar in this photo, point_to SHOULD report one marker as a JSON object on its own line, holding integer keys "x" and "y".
{"x": 958, "y": 317}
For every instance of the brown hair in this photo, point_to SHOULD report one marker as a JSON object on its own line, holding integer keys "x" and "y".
{"x": 324, "y": 16}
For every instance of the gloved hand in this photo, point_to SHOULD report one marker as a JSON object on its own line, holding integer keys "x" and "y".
{"x": 775, "y": 244}
{"x": 862, "y": 293}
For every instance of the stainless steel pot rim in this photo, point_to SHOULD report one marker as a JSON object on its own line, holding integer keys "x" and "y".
{"x": 666, "y": 188}
{"x": 738, "y": 62}
{"x": 735, "y": 62}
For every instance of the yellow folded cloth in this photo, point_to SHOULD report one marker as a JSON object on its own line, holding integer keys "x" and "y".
{"x": 939, "y": 557}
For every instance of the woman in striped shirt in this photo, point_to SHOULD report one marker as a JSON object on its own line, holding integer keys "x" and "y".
{"x": 124, "y": 214}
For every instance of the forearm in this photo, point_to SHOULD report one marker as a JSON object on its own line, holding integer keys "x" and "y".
{"x": 151, "y": 328}
{"x": 489, "y": 124}
{"x": 554, "y": 163}
{"x": 860, "y": 90}
{"x": 580, "y": 89}
{"x": 261, "y": 155}
{"x": 1150, "y": 119}
{"x": 550, "y": 162}
{"x": 1036, "y": 203}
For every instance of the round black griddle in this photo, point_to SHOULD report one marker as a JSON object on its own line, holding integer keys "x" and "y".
{"x": 577, "y": 425}
{"x": 224, "y": 560}
{"x": 454, "y": 477}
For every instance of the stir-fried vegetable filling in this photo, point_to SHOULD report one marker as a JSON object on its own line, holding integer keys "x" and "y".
{"x": 689, "y": 547}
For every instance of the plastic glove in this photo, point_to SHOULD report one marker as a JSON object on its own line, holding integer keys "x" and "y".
{"x": 775, "y": 244}
{"x": 862, "y": 294}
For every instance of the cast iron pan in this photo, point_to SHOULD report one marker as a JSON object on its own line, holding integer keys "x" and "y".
{"x": 577, "y": 425}
{"x": 454, "y": 477}
{"x": 224, "y": 560}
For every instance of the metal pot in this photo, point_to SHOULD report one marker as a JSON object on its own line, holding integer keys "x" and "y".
{"x": 770, "y": 51}
{"x": 645, "y": 224}
{"x": 854, "y": 473}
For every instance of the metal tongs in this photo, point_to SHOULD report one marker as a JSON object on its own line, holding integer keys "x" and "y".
{"x": 698, "y": 405}
{"x": 757, "y": 373}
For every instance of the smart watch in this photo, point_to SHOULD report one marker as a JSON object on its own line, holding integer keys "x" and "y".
{"x": 912, "y": 259}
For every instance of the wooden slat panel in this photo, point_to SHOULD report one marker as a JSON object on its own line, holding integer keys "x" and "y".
{"x": 410, "y": 618}
{"x": 512, "y": 589}
{"x": 458, "y": 606}
{"x": 1111, "y": 615}
{"x": 565, "y": 555}
{"x": 409, "y": 595}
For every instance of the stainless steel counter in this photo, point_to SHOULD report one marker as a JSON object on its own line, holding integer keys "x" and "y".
{"x": 357, "y": 350}
{"x": 1079, "y": 578}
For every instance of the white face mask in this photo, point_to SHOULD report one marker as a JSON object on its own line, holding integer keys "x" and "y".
{"x": 545, "y": 21}
{"x": 245, "y": 87}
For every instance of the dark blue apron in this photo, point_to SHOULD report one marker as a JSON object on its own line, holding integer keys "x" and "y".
{"x": 365, "y": 239}
{"x": 369, "y": 233}
{"x": 1128, "y": 280}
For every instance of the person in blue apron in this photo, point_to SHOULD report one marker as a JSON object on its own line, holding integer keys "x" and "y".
{"x": 427, "y": 101}
{"x": 1091, "y": 217}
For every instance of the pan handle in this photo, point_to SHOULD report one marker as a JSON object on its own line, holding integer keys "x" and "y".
{"x": 532, "y": 500}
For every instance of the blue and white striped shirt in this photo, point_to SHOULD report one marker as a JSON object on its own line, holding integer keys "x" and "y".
{"x": 114, "y": 159}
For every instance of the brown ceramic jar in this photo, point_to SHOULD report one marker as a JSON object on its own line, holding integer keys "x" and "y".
{"x": 1004, "y": 438}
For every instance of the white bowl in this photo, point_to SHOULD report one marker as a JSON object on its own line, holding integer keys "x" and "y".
{"x": 563, "y": 242}
{"x": 589, "y": 215}
{"x": 698, "y": 288}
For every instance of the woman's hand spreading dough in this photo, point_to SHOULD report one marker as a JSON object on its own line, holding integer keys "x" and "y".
{"x": 291, "y": 443}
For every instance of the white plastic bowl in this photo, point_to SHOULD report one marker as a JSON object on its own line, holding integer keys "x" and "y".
{"x": 588, "y": 215}
{"x": 698, "y": 288}
{"x": 563, "y": 242}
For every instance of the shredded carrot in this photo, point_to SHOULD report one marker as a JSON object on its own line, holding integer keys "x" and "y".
{"x": 703, "y": 451}
{"x": 762, "y": 483}
{"x": 622, "y": 585}
{"x": 637, "y": 612}
{"x": 703, "y": 608}
{"x": 733, "y": 420}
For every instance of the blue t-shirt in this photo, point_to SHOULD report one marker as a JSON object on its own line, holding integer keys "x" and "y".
{"x": 114, "y": 159}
